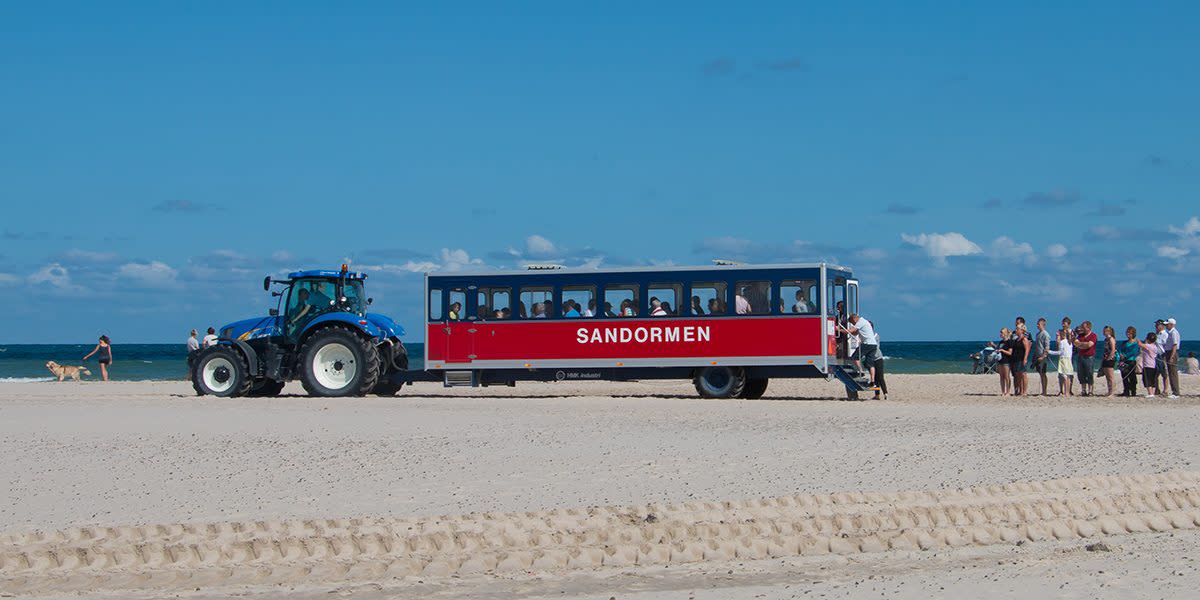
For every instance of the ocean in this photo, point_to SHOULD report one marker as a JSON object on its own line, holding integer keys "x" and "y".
{"x": 157, "y": 362}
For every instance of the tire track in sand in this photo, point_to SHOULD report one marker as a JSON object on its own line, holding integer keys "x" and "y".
{"x": 374, "y": 549}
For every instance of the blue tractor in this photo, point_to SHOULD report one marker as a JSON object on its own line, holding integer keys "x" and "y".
{"x": 321, "y": 334}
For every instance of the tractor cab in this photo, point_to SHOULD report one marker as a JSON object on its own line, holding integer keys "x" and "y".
{"x": 311, "y": 294}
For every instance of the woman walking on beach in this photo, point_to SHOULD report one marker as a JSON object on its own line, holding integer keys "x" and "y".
{"x": 1066, "y": 366}
{"x": 1128, "y": 351}
{"x": 103, "y": 350}
{"x": 1110, "y": 357}
{"x": 1005, "y": 348}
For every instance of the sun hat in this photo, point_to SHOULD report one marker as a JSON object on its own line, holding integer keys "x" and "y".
{"x": 1171, "y": 321}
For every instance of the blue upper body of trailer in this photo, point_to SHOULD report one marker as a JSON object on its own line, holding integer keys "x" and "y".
{"x": 639, "y": 275}
{"x": 642, "y": 276}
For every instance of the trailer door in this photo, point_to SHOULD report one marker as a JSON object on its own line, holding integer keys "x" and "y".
{"x": 852, "y": 297}
{"x": 459, "y": 326}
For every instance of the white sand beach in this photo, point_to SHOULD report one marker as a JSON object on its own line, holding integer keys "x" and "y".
{"x": 597, "y": 490}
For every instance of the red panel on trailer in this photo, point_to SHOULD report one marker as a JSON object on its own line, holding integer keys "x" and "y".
{"x": 626, "y": 338}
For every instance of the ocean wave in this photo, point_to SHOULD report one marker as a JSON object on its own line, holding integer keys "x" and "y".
{"x": 24, "y": 379}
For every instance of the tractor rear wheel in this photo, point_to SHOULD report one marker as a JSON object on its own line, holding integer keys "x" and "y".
{"x": 336, "y": 362}
{"x": 387, "y": 388}
{"x": 221, "y": 371}
{"x": 720, "y": 382}
{"x": 267, "y": 387}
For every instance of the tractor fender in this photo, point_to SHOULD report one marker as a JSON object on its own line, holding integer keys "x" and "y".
{"x": 385, "y": 323}
{"x": 355, "y": 322}
{"x": 247, "y": 351}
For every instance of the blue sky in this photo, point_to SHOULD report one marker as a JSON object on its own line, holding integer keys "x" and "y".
{"x": 971, "y": 163}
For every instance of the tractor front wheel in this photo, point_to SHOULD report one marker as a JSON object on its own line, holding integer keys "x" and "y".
{"x": 221, "y": 371}
{"x": 336, "y": 362}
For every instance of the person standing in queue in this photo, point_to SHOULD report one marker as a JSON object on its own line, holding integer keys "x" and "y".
{"x": 193, "y": 348}
{"x": 1085, "y": 346}
{"x": 1171, "y": 349}
{"x": 868, "y": 343}
{"x": 1128, "y": 352}
{"x": 1041, "y": 353}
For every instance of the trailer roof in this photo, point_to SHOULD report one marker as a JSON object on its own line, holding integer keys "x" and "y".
{"x": 547, "y": 270}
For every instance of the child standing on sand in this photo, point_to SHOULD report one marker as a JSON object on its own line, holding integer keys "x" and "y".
{"x": 1066, "y": 367}
{"x": 104, "y": 355}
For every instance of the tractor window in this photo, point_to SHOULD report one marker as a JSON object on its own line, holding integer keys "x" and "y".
{"x": 435, "y": 304}
{"x": 355, "y": 300}
{"x": 458, "y": 303}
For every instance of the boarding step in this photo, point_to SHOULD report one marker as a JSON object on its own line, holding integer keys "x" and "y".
{"x": 461, "y": 379}
{"x": 854, "y": 379}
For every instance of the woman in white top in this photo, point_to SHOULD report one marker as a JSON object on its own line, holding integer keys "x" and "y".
{"x": 1066, "y": 368}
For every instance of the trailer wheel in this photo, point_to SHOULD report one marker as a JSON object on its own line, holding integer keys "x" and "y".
{"x": 335, "y": 362}
{"x": 221, "y": 371}
{"x": 267, "y": 388}
{"x": 720, "y": 382}
{"x": 755, "y": 388}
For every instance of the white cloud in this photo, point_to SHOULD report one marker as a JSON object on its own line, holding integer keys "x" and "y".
{"x": 1005, "y": 248}
{"x": 1189, "y": 229}
{"x": 940, "y": 246}
{"x": 1173, "y": 252}
{"x": 537, "y": 246}
{"x": 7, "y": 278}
{"x": 448, "y": 260}
{"x": 52, "y": 274}
{"x": 152, "y": 274}
{"x": 1056, "y": 251}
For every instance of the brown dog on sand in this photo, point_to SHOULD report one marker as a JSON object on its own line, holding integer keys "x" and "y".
{"x": 62, "y": 371}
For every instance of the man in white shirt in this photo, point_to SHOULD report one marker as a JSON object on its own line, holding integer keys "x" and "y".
{"x": 210, "y": 340}
{"x": 868, "y": 341}
{"x": 193, "y": 346}
{"x": 1171, "y": 348}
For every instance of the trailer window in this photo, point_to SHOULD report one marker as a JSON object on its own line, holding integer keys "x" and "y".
{"x": 458, "y": 304}
{"x": 494, "y": 303}
{"x": 435, "y": 304}
{"x": 837, "y": 298}
{"x": 621, "y": 300}
{"x": 752, "y": 297}
{"x": 709, "y": 299}
{"x": 667, "y": 295}
{"x": 536, "y": 303}
{"x": 582, "y": 300}
{"x": 797, "y": 297}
